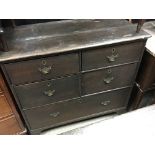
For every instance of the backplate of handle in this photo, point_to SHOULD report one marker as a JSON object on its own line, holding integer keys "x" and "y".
{"x": 105, "y": 103}
{"x": 108, "y": 78}
{"x": 113, "y": 56}
{"x": 56, "y": 114}
{"x": 45, "y": 70}
{"x": 49, "y": 93}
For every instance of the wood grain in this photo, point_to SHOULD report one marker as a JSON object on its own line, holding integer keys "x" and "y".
{"x": 63, "y": 112}
{"x": 126, "y": 53}
{"x": 29, "y": 71}
{"x": 5, "y": 109}
{"x": 93, "y": 82}
{"x": 10, "y": 121}
{"x": 33, "y": 95}
{"x": 10, "y": 126}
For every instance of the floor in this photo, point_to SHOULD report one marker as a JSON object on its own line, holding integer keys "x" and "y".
{"x": 74, "y": 126}
{"x": 139, "y": 122}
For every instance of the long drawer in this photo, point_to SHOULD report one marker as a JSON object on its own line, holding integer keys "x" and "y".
{"x": 56, "y": 114}
{"x": 113, "y": 55}
{"x": 107, "y": 79}
{"x": 42, "y": 69}
{"x": 47, "y": 92}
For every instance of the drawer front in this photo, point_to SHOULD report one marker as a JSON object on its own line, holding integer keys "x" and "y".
{"x": 107, "y": 79}
{"x": 71, "y": 110}
{"x": 5, "y": 109}
{"x": 109, "y": 56}
{"x": 47, "y": 92}
{"x": 41, "y": 69}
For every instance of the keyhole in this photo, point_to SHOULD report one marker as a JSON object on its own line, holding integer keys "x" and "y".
{"x": 48, "y": 84}
{"x": 113, "y": 49}
{"x": 109, "y": 70}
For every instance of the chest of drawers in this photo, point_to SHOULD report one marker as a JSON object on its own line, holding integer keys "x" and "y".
{"x": 72, "y": 70}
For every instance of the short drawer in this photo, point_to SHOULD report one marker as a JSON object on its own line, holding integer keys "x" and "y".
{"x": 47, "y": 92}
{"x": 107, "y": 79}
{"x": 42, "y": 69}
{"x": 69, "y": 111}
{"x": 113, "y": 55}
{"x": 5, "y": 109}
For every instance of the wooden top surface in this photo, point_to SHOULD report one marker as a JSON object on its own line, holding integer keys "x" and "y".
{"x": 67, "y": 35}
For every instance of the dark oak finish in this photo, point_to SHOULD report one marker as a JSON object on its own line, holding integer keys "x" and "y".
{"x": 140, "y": 98}
{"x": 113, "y": 55}
{"x": 45, "y": 39}
{"x": 47, "y": 92}
{"x": 148, "y": 98}
{"x": 146, "y": 74}
{"x": 82, "y": 57}
{"x": 97, "y": 81}
{"x": 71, "y": 110}
{"x": 144, "y": 82}
{"x": 63, "y": 27}
{"x": 42, "y": 69}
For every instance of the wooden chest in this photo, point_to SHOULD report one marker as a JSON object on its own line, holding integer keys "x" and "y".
{"x": 67, "y": 71}
{"x": 10, "y": 122}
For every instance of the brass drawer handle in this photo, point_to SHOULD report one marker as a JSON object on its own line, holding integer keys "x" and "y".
{"x": 114, "y": 55}
{"x": 56, "y": 114}
{"x": 109, "y": 78}
{"x": 49, "y": 93}
{"x": 105, "y": 103}
{"x": 45, "y": 69}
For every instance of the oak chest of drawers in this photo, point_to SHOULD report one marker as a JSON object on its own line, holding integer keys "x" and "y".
{"x": 71, "y": 70}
